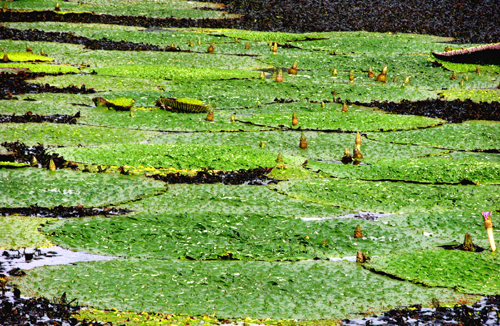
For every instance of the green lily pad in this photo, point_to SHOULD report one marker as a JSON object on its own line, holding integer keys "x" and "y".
{"x": 322, "y": 146}
{"x": 226, "y": 158}
{"x": 469, "y": 135}
{"x": 18, "y": 232}
{"x": 391, "y": 197}
{"x": 23, "y": 188}
{"x": 331, "y": 117}
{"x": 464, "y": 67}
{"x": 69, "y": 135}
{"x": 175, "y": 8}
{"x": 238, "y": 200}
{"x": 238, "y": 235}
{"x": 477, "y": 95}
{"x": 25, "y": 56}
{"x": 429, "y": 169}
{"x": 37, "y": 68}
{"x": 173, "y": 72}
{"x": 463, "y": 271}
{"x": 229, "y": 289}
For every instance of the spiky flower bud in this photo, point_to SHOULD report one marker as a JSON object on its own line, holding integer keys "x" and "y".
{"x": 347, "y": 158}
{"x": 357, "y": 153}
{"x": 52, "y": 165}
{"x": 279, "y": 76}
{"x": 211, "y": 48}
{"x": 468, "y": 244}
{"x": 303, "y": 141}
{"x": 275, "y": 47}
{"x": 371, "y": 74}
{"x": 357, "y": 232}
{"x": 210, "y": 115}
{"x": 358, "y": 141}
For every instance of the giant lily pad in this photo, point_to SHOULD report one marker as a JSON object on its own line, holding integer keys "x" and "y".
{"x": 18, "y": 232}
{"x": 431, "y": 170}
{"x": 70, "y": 188}
{"x": 332, "y": 118}
{"x": 231, "y": 289}
{"x": 467, "y": 272}
{"x": 322, "y": 146}
{"x": 68, "y": 135}
{"x": 391, "y": 197}
{"x": 469, "y": 135}
{"x": 238, "y": 200}
{"x": 225, "y": 158}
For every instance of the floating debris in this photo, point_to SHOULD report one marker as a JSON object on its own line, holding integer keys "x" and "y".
{"x": 456, "y": 111}
{"x": 481, "y": 313}
{"x": 256, "y": 176}
{"x": 15, "y": 83}
{"x": 62, "y": 211}
{"x": 29, "y": 117}
{"x": 24, "y": 154}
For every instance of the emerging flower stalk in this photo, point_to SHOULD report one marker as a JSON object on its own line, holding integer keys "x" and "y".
{"x": 489, "y": 229}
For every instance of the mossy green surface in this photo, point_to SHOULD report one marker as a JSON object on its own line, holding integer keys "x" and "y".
{"x": 322, "y": 146}
{"x": 298, "y": 219}
{"x": 227, "y": 158}
{"x": 37, "y": 68}
{"x": 392, "y": 197}
{"x": 173, "y": 72}
{"x": 69, "y": 135}
{"x": 70, "y": 188}
{"x": 476, "y": 95}
{"x": 237, "y": 200}
{"x": 157, "y": 119}
{"x": 429, "y": 169}
{"x": 24, "y": 56}
{"x": 463, "y": 271}
{"x": 230, "y": 289}
{"x": 468, "y": 135}
{"x": 254, "y": 235}
{"x": 332, "y": 118}
{"x": 464, "y": 67}
{"x": 22, "y": 231}
{"x": 163, "y": 8}
{"x": 128, "y": 318}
